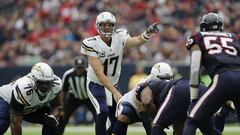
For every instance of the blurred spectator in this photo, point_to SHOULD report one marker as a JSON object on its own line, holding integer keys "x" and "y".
{"x": 135, "y": 78}
{"x": 50, "y": 30}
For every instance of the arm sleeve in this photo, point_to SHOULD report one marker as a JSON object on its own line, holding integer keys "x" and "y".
{"x": 19, "y": 94}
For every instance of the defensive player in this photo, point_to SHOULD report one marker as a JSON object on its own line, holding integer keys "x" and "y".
{"x": 218, "y": 52}
{"x": 172, "y": 105}
{"x": 129, "y": 108}
{"x": 33, "y": 98}
{"x": 74, "y": 91}
{"x": 104, "y": 53}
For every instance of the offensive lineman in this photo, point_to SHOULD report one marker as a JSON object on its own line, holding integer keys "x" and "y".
{"x": 104, "y": 53}
{"x": 33, "y": 98}
{"x": 129, "y": 108}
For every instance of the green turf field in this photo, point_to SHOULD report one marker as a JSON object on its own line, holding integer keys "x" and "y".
{"x": 132, "y": 133}
{"x": 133, "y": 130}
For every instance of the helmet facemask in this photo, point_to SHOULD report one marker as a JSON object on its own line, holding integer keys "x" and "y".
{"x": 107, "y": 29}
{"x": 43, "y": 87}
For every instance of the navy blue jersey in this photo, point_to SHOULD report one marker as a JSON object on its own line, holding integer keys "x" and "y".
{"x": 220, "y": 51}
{"x": 158, "y": 87}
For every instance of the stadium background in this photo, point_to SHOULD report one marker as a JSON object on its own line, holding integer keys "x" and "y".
{"x": 51, "y": 31}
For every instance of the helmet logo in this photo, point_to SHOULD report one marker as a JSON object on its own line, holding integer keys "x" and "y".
{"x": 38, "y": 68}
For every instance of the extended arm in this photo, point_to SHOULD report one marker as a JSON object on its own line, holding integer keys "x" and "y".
{"x": 16, "y": 112}
{"x": 15, "y": 122}
{"x": 98, "y": 69}
{"x": 145, "y": 36}
{"x": 194, "y": 71}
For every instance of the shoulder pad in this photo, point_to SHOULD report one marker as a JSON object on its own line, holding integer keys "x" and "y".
{"x": 139, "y": 88}
{"x": 89, "y": 45}
{"x": 57, "y": 84}
{"x": 23, "y": 90}
{"x": 89, "y": 41}
{"x": 122, "y": 31}
{"x": 24, "y": 83}
{"x": 191, "y": 40}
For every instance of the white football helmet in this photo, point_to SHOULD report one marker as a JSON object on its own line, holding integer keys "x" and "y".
{"x": 43, "y": 77}
{"x": 106, "y": 24}
{"x": 162, "y": 71}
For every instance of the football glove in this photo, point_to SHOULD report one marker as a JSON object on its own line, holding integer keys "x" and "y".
{"x": 50, "y": 120}
{"x": 154, "y": 28}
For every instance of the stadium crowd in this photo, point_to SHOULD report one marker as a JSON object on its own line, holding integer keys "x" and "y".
{"x": 51, "y": 30}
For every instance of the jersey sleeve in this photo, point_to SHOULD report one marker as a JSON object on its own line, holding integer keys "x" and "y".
{"x": 15, "y": 105}
{"x": 191, "y": 40}
{"x": 20, "y": 93}
{"x": 87, "y": 47}
{"x": 154, "y": 83}
{"x": 139, "y": 89}
{"x": 123, "y": 35}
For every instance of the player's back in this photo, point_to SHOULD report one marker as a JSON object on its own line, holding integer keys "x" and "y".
{"x": 220, "y": 51}
{"x": 159, "y": 89}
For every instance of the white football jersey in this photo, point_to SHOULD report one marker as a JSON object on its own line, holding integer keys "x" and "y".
{"x": 130, "y": 98}
{"x": 23, "y": 92}
{"x": 110, "y": 56}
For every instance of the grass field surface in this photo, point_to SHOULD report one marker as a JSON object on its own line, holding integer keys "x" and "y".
{"x": 132, "y": 130}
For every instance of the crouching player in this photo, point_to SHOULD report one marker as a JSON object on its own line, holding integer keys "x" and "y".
{"x": 173, "y": 104}
{"x": 129, "y": 108}
{"x": 33, "y": 98}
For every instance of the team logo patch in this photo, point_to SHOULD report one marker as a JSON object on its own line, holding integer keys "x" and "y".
{"x": 102, "y": 54}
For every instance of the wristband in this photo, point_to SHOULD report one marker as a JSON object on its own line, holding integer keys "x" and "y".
{"x": 145, "y": 37}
